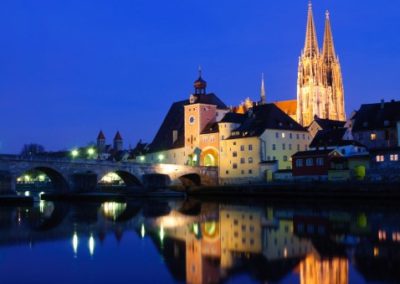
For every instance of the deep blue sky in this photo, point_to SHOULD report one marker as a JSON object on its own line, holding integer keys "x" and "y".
{"x": 70, "y": 68}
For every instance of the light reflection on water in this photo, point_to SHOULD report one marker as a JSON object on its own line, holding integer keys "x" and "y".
{"x": 171, "y": 241}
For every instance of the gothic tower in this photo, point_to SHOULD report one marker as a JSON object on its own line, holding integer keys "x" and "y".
{"x": 319, "y": 82}
{"x": 332, "y": 76}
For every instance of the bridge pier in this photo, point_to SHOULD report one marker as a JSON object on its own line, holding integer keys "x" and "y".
{"x": 8, "y": 184}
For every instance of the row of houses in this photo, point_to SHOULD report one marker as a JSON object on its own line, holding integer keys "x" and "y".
{"x": 263, "y": 142}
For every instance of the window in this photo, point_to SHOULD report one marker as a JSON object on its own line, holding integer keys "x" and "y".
{"x": 291, "y": 136}
{"x": 299, "y": 163}
{"x": 373, "y": 136}
{"x": 320, "y": 161}
{"x": 234, "y": 143}
{"x": 304, "y": 136}
{"x": 241, "y": 147}
{"x": 298, "y": 147}
{"x": 250, "y": 171}
{"x": 250, "y": 160}
{"x": 273, "y": 147}
{"x": 309, "y": 162}
{"x": 380, "y": 158}
{"x": 283, "y": 146}
{"x": 234, "y": 154}
{"x": 285, "y": 158}
{"x": 290, "y": 146}
{"x": 277, "y": 135}
{"x": 242, "y": 160}
{"x": 394, "y": 157}
{"x": 297, "y": 136}
{"x": 283, "y": 135}
{"x": 242, "y": 172}
{"x": 250, "y": 147}
{"x": 234, "y": 166}
{"x": 227, "y": 172}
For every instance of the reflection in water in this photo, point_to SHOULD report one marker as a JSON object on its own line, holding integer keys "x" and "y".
{"x": 217, "y": 242}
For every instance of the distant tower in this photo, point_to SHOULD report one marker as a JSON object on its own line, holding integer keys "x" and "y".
{"x": 263, "y": 93}
{"x": 319, "y": 82}
{"x": 101, "y": 142}
{"x": 118, "y": 142}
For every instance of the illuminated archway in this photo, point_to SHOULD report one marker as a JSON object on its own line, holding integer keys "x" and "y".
{"x": 209, "y": 157}
{"x": 42, "y": 175}
{"x": 119, "y": 178}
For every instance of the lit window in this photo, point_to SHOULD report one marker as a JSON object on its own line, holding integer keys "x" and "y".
{"x": 250, "y": 160}
{"x": 309, "y": 162}
{"x": 283, "y": 135}
{"x": 299, "y": 163}
{"x": 380, "y": 158}
{"x": 373, "y": 136}
{"x": 394, "y": 157}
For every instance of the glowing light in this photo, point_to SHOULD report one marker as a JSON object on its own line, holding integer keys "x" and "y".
{"x": 111, "y": 178}
{"x": 161, "y": 157}
{"x": 91, "y": 151}
{"x": 143, "y": 231}
{"x": 42, "y": 178}
{"x": 376, "y": 251}
{"x": 113, "y": 209}
{"x": 27, "y": 193}
{"x": 41, "y": 205}
{"x": 285, "y": 253}
{"x": 75, "y": 243}
{"x": 91, "y": 245}
{"x": 162, "y": 233}
{"x": 75, "y": 153}
{"x": 194, "y": 158}
{"x": 196, "y": 229}
{"x": 27, "y": 178}
{"x": 142, "y": 158}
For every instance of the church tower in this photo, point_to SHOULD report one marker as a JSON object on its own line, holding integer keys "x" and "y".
{"x": 319, "y": 81}
{"x": 332, "y": 76}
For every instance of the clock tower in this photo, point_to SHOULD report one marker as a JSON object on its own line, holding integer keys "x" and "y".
{"x": 199, "y": 112}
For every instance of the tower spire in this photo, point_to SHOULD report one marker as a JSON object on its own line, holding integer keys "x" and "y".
{"x": 311, "y": 43}
{"x": 328, "y": 50}
{"x": 263, "y": 93}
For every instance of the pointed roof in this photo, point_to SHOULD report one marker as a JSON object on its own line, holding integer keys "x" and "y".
{"x": 328, "y": 50}
{"x": 118, "y": 136}
{"x": 263, "y": 93}
{"x": 101, "y": 136}
{"x": 311, "y": 45}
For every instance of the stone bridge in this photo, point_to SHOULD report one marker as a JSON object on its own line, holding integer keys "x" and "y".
{"x": 84, "y": 175}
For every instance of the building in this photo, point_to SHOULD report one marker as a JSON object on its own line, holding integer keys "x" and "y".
{"x": 264, "y": 133}
{"x": 377, "y": 125}
{"x": 189, "y": 132}
{"x": 320, "y": 89}
{"x": 324, "y": 124}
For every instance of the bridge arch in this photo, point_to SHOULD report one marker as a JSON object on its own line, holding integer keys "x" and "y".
{"x": 209, "y": 157}
{"x": 191, "y": 179}
{"x": 128, "y": 178}
{"x": 57, "y": 179}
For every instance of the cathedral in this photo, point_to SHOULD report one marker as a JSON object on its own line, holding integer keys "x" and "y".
{"x": 319, "y": 85}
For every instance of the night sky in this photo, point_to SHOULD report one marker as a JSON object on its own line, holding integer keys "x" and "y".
{"x": 71, "y": 68}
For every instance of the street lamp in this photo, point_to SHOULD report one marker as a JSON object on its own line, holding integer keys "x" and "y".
{"x": 160, "y": 157}
{"x": 91, "y": 151}
{"x": 75, "y": 153}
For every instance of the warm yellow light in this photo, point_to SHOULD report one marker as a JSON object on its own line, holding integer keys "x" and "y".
{"x": 161, "y": 157}
{"x": 42, "y": 178}
{"x": 91, "y": 151}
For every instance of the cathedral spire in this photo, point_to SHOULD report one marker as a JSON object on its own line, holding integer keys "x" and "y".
{"x": 328, "y": 50}
{"x": 263, "y": 93}
{"x": 311, "y": 44}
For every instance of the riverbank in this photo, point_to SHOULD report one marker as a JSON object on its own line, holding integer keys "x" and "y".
{"x": 350, "y": 191}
